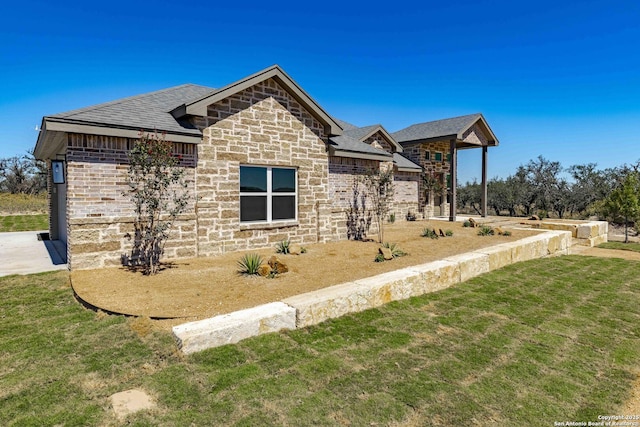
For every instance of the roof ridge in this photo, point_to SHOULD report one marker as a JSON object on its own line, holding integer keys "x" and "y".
{"x": 70, "y": 113}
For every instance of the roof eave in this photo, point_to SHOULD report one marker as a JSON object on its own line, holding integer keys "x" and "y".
{"x": 359, "y": 155}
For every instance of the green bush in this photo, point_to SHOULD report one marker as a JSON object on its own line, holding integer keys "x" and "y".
{"x": 392, "y": 218}
{"x": 249, "y": 263}
{"x": 379, "y": 258}
{"x": 467, "y": 223}
{"x": 429, "y": 233}
{"x": 448, "y": 233}
{"x": 485, "y": 230}
{"x": 506, "y": 233}
{"x": 283, "y": 247}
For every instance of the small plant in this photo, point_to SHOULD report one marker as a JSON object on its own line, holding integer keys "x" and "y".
{"x": 506, "y": 233}
{"x": 427, "y": 232}
{"x": 396, "y": 252}
{"x": 392, "y": 218}
{"x": 411, "y": 216}
{"x": 379, "y": 258}
{"x": 249, "y": 263}
{"x": 466, "y": 224}
{"x": 485, "y": 230}
{"x": 448, "y": 233}
{"x": 283, "y": 247}
{"x": 303, "y": 250}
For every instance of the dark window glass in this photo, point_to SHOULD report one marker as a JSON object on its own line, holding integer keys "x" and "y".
{"x": 438, "y": 157}
{"x": 283, "y": 207}
{"x": 283, "y": 180}
{"x": 253, "y": 208}
{"x": 253, "y": 180}
{"x": 427, "y": 155}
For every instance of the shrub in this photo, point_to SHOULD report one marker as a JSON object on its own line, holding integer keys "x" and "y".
{"x": 485, "y": 230}
{"x": 392, "y": 218}
{"x": 467, "y": 223}
{"x": 411, "y": 216}
{"x": 506, "y": 233}
{"x": 448, "y": 233}
{"x": 379, "y": 258}
{"x": 249, "y": 263}
{"x": 283, "y": 247}
{"x": 429, "y": 233}
{"x": 303, "y": 250}
{"x": 395, "y": 250}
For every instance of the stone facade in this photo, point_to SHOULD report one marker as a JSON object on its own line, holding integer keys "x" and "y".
{"x": 433, "y": 157}
{"x": 262, "y": 125}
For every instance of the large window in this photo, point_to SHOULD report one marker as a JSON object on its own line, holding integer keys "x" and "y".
{"x": 267, "y": 194}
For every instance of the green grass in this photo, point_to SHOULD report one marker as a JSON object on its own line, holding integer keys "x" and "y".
{"x": 548, "y": 340}
{"x": 634, "y": 247}
{"x": 24, "y": 222}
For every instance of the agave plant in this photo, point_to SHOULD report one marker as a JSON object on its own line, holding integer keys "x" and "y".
{"x": 485, "y": 230}
{"x": 395, "y": 250}
{"x": 427, "y": 232}
{"x": 283, "y": 247}
{"x": 249, "y": 263}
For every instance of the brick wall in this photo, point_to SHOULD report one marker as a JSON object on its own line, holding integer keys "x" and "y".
{"x": 417, "y": 154}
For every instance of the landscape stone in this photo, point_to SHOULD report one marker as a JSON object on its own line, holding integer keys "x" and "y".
{"x": 264, "y": 270}
{"x": 295, "y": 250}
{"x": 386, "y": 253}
{"x": 277, "y": 266}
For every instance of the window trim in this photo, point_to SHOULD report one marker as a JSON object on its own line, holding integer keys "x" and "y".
{"x": 269, "y": 194}
{"x": 438, "y": 154}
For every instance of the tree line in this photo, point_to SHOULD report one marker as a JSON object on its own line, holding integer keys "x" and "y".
{"x": 23, "y": 175}
{"x": 545, "y": 188}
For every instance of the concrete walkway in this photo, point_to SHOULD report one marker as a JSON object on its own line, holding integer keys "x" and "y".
{"x": 22, "y": 253}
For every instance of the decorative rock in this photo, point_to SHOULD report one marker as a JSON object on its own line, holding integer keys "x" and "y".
{"x": 534, "y": 218}
{"x": 277, "y": 266}
{"x": 441, "y": 232}
{"x": 130, "y": 401}
{"x": 295, "y": 250}
{"x": 473, "y": 222}
{"x": 499, "y": 231}
{"x": 386, "y": 253}
{"x": 264, "y": 270}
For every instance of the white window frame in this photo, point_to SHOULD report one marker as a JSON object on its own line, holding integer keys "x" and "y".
{"x": 270, "y": 194}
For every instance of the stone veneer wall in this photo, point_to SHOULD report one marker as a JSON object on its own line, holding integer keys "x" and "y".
{"x": 262, "y": 125}
{"x": 99, "y": 217}
{"x": 379, "y": 141}
{"x": 416, "y": 153}
{"x": 405, "y": 196}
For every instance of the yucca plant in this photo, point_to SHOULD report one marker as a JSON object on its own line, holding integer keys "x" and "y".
{"x": 485, "y": 230}
{"x": 395, "y": 250}
{"x": 466, "y": 224}
{"x": 448, "y": 233}
{"x": 249, "y": 263}
{"x": 427, "y": 232}
{"x": 283, "y": 247}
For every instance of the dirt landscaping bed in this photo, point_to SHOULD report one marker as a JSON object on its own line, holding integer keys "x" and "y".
{"x": 198, "y": 288}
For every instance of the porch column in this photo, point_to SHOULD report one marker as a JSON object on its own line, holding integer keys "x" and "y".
{"x": 485, "y": 150}
{"x": 453, "y": 154}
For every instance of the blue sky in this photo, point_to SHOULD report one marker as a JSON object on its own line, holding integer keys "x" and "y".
{"x": 554, "y": 78}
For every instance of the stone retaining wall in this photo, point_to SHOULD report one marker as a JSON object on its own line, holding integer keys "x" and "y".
{"x": 315, "y": 307}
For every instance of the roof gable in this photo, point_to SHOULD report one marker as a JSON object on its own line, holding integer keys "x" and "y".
{"x": 366, "y": 132}
{"x": 454, "y": 127}
{"x": 198, "y": 107}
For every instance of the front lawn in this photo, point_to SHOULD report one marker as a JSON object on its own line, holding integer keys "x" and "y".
{"x": 24, "y": 222}
{"x": 556, "y": 339}
{"x": 634, "y": 247}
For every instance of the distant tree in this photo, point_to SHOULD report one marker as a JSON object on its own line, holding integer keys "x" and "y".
{"x": 379, "y": 184}
{"x": 158, "y": 191}
{"x": 589, "y": 186}
{"x": 623, "y": 202}
{"x": 23, "y": 174}
{"x": 470, "y": 194}
{"x": 544, "y": 177}
{"x": 502, "y": 196}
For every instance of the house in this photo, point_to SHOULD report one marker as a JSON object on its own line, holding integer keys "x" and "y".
{"x": 264, "y": 163}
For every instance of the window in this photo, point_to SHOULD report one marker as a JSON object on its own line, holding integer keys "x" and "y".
{"x": 267, "y": 194}
{"x": 438, "y": 156}
{"x": 449, "y": 157}
{"x": 427, "y": 155}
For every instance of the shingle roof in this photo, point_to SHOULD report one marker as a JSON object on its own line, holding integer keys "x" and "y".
{"x": 435, "y": 129}
{"x": 344, "y": 125}
{"x": 404, "y": 163}
{"x": 147, "y": 111}
{"x": 347, "y": 143}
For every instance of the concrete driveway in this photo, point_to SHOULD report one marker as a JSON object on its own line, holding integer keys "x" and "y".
{"x": 22, "y": 253}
